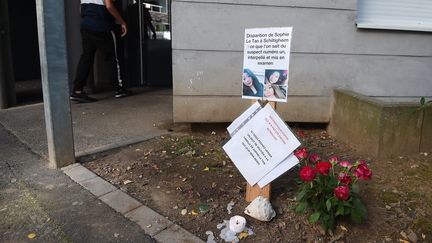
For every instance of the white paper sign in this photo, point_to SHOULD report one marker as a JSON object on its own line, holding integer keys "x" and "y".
{"x": 283, "y": 167}
{"x": 260, "y": 145}
{"x": 266, "y": 63}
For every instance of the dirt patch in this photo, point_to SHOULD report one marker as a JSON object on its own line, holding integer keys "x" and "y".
{"x": 189, "y": 172}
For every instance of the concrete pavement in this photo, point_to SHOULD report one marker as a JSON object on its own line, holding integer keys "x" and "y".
{"x": 78, "y": 206}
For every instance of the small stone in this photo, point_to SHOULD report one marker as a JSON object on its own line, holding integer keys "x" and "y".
{"x": 13, "y": 180}
{"x": 388, "y": 239}
{"x": 297, "y": 226}
{"x": 116, "y": 235}
{"x": 184, "y": 212}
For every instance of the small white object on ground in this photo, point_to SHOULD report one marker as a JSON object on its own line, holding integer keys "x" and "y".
{"x": 210, "y": 237}
{"x": 230, "y": 206}
{"x": 237, "y": 223}
{"x": 228, "y": 235}
{"x": 261, "y": 209}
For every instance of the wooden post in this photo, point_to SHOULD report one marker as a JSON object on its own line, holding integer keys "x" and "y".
{"x": 253, "y": 192}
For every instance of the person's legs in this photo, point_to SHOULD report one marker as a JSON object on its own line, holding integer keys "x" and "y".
{"x": 85, "y": 64}
{"x": 109, "y": 48}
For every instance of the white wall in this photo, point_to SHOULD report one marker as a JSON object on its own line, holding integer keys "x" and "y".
{"x": 328, "y": 51}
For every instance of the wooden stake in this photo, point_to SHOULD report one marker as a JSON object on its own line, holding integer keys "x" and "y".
{"x": 253, "y": 192}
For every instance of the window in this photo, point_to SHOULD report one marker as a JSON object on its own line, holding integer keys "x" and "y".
{"x": 415, "y": 15}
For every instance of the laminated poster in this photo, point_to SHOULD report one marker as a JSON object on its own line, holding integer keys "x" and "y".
{"x": 261, "y": 145}
{"x": 266, "y": 63}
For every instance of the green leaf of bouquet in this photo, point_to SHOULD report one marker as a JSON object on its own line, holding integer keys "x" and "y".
{"x": 340, "y": 210}
{"x": 359, "y": 206}
{"x": 314, "y": 217}
{"x": 301, "y": 195}
{"x": 328, "y": 204}
{"x": 355, "y": 188}
{"x": 356, "y": 216}
{"x": 301, "y": 207}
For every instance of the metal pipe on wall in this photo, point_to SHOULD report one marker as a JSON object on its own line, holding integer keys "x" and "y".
{"x": 140, "y": 4}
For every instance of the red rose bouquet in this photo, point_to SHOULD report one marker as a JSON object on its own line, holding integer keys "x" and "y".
{"x": 329, "y": 190}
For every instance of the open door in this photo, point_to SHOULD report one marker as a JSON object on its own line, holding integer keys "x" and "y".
{"x": 148, "y": 62}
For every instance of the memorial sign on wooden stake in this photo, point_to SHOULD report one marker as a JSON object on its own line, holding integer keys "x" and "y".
{"x": 266, "y": 60}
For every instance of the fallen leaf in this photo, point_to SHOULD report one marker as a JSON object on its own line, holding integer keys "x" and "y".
{"x": 403, "y": 241}
{"x": 243, "y": 235}
{"x": 31, "y": 236}
{"x": 127, "y": 182}
{"x": 206, "y": 169}
{"x": 203, "y": 208}
{"x": 194, "y": 213}
{"x": 343, "y": 228}
{"x": 149, "y": 226}
{"x": 184, "y": 179}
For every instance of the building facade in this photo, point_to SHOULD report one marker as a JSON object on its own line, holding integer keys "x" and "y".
{"x": 328, "y": 51}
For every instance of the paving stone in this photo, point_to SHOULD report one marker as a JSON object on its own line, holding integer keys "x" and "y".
{"x": 149, "y": 220}
{"x": 79, "y": 173}
{"x": 177, "y": 234}
{"x": 120, "y": 201}
{"x": 98, "y": 186}
{"x": 70, "y": 166}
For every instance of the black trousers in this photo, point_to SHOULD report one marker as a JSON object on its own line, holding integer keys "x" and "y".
{"x": 105, "y": 42}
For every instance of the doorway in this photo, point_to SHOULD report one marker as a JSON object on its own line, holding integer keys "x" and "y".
{"x": 148, "y": 61}
{"x": 25, "y": 51}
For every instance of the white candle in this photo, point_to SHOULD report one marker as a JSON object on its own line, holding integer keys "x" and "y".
{"x": 237, "y": 224}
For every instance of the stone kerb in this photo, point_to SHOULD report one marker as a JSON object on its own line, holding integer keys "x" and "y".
{"x": 378, "y": 128}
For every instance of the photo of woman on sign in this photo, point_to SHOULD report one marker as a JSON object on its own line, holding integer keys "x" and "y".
{"x": 251, "y": 85}
{"x": 276, "y": 77}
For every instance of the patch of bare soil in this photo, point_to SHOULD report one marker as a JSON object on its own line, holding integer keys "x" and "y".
{"x": 190, "y": 173}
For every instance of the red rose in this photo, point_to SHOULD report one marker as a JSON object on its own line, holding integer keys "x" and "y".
{"x": 323, "y": 167}
{"x": 301, "y": 153}
{"x": 346, "y": 164}
{"x": 344, "y": 179}
{"x": 314, "y": 158}
{"x": 307, "y": 174}
{"x": 333, "y": 159}
{"x": 301, "y": 134}
{"x": 363, "y": 172}
{"x": 342, "y": 192}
